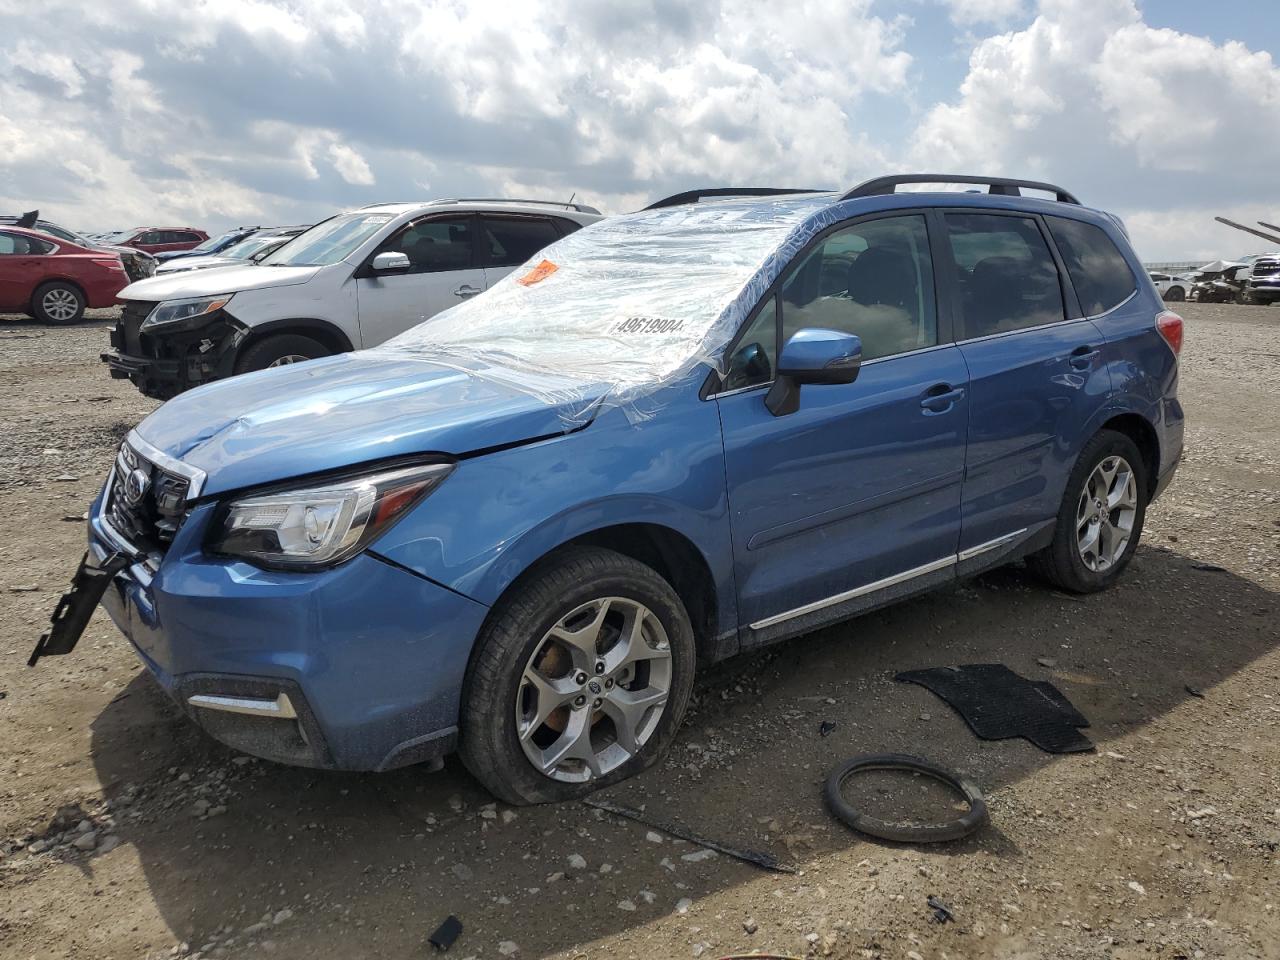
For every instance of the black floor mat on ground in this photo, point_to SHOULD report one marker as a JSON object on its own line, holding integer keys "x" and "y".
{"x": 998, "y": 704}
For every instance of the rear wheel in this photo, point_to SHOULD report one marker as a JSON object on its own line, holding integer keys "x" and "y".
{"x": 580, "y": 681}
{"x": 1100, "y": 520}
{"x": 1175, "y": 295}
{"x": 58, "y": 303}
{"x": 280, "y": 350}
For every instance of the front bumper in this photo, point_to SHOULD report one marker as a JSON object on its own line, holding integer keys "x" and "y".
{"x": 369, "y": 657}
{"x": 1268, "y": 291}
{"x": 164, "y": 364}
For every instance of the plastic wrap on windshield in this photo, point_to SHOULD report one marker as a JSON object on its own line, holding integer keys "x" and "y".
{"x": 613, "y": 312}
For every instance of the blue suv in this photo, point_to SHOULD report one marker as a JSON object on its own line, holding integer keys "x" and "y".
{"x": 674, "y": 436}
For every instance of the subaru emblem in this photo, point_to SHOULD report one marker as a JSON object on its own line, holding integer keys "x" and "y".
{"x": 136, "y": 484}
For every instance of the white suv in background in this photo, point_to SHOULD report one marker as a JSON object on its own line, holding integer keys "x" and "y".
{"x": 349, "y": 282}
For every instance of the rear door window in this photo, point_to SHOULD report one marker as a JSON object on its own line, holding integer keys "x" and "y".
{"x": 1098, "y": 271}
{"x": 1007, "y": 277}
{"x": 18, "y": 244}
{"x": 513, "y": 240}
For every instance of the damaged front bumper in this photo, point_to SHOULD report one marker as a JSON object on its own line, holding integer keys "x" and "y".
{"x": 299, "y": 668}
{"x": 164, "y": 364}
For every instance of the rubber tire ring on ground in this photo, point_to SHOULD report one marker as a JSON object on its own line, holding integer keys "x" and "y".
{"x": 914, "y": 833}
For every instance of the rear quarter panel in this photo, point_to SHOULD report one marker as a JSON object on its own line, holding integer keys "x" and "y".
{"x": 1143, "y": 368}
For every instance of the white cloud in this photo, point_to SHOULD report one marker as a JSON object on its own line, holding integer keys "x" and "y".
{"x": 350, "y": 165}
{"x": 283, "y": 110}
{"x": 970, "y": 12}
{"x": 1141, "y": 120}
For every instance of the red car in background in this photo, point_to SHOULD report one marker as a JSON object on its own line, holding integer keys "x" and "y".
{"x": 159, "y": 239}
{"x": 54, "y": 280}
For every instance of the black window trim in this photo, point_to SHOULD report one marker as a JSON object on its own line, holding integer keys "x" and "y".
{"x": 710, "y": 387}
{"x": 1070, "y": 304}
{"x": 365, "y": 271}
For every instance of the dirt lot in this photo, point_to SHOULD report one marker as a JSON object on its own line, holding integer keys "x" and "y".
{"x": 1161, "y": 844}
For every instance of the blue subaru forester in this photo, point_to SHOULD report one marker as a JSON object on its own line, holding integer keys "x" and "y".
{"x": 517, "y": 530}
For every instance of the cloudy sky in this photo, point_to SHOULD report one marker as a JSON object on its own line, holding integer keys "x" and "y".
{"x": 216, "y": 112}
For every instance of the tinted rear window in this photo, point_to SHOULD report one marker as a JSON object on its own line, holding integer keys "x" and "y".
{"x": 513, "y": 241}
{"x": 1099, "y": 271}
{"x": 1008, "y": 280}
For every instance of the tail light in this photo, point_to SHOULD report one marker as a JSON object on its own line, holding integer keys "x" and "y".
{"x": 1169, "y": 324}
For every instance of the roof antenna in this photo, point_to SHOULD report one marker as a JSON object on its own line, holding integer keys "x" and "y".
{"x": 571, "y": 196}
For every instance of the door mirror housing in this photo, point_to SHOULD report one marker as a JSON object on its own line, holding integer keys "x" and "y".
{"x": 390, "y": 260}
{"x": 817, "y": 356}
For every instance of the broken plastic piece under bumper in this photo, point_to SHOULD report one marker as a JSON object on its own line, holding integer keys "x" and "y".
{"x": 353, "y": 688}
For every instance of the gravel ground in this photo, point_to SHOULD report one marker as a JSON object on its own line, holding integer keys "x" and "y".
{"x": 124, "y": 833}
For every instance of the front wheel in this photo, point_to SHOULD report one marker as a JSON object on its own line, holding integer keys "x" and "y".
{"x": 278, "y": 351}
{"x": 1175, "y": 295}
{"x": 1100, "y": 520}
{"x": 579, "y": 681}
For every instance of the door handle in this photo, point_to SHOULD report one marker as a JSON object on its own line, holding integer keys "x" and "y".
{"x": 466, "y": 290}
{"x": 941, "y": 398}
{"x": 1082, "y": 357}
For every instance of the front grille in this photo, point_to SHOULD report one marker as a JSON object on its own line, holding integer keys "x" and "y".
{"x": 1266, "y": 267}
{"x": 145, "y": 504}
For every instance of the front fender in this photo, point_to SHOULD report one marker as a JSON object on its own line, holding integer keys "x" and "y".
{"x": 501, "y": 512}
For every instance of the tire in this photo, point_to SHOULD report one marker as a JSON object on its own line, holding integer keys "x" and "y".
{"x": 597, "y": 586}
{"x": 58, "y": 303}
{"x": 1175, "y": 295}
{"x": 905, "y": 831}
{"x": 277, "y": 350}
{"x": 1063, "y": 563}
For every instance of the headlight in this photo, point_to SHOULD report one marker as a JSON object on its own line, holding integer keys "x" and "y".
{"x": 324, "y": 525}
{"x": 175, "y": 312}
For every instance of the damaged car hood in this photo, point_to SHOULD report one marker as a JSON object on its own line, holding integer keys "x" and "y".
{"x": 341, "y": 411}
{"x": 202, "y": 283}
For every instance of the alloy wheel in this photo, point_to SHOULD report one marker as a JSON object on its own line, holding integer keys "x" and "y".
{"x": 594, "y": 689}
{"x": 1105, "y": 514}
{"x": 59, "y": 304}
{"x": 287, "y": 359}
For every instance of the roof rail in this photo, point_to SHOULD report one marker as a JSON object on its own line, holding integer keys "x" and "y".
{"x": 1000, "y": 186}
{"x": 567, "y": 204}
{"x": 693, "y": 196}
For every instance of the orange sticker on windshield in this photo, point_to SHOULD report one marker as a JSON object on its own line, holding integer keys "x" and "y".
{"x": 543, "y": 270}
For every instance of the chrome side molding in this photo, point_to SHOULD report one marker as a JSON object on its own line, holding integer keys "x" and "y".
{"x": 891, "y": 581}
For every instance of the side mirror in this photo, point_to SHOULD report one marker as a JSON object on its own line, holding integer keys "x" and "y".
{"x": 817, "y": 356}
{"x": 390, "y": 260}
